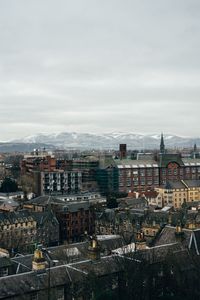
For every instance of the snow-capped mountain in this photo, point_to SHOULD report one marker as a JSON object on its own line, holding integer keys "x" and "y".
{"x": 107, "y": 140}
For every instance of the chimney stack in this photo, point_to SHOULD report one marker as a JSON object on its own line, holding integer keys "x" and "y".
{"x": 122, "y": 150}
{"x": 39, "y": 262}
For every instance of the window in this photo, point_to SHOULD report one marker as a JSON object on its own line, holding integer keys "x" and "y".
{"x": 155, "y": 171}
{"x": 142, "y": 172}
{"x": 175, "y": 171}
{"x": 187, "y": 170}
{"x": 193, "y": 170}
{"x": 149, "y": 172}
{"x": 169, "y": 172}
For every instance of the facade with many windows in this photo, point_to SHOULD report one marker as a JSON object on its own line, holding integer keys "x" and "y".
{"x": 136, "y": 175}
{"x": 58, "y": 182}
{"x": 178, "y": 192}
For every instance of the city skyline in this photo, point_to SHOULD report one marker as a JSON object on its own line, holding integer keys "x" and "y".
{"x": 99, "y": 67}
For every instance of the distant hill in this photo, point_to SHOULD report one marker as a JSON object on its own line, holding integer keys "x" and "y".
{"x": 22, "y": 147}
{"x": 74, "y": 140}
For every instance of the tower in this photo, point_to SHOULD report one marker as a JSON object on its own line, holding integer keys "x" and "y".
{"x": 162, "y": 144}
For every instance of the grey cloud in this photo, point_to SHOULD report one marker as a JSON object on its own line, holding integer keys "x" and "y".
{"x": 99, "y": 65}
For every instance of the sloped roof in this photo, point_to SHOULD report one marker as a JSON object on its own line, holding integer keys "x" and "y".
{"x": 5, "y": 262}
{"x": 20, "y": 284}
{"x": 194, "y": 242}
{"x": 167, "y": 236}
{"x": 130, "y": 163}
{"x": 166, "y": 158}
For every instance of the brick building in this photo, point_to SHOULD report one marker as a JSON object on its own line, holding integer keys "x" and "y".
{"x": 76, "y": 220}
{"x": 38, "y": 161}
{"x": 146, "y": 173}
{"x": 75, "y": 214}
{"x": 59, "y": 175}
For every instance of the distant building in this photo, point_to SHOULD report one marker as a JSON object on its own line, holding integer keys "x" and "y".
{"x": 128, "y": 175}
{"x": 47, "y": 174}
{"x": 178, "y": 192}
{"x": 58, "y": 181}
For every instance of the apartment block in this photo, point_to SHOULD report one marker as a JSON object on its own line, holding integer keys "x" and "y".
{"x": 58, "y": 181}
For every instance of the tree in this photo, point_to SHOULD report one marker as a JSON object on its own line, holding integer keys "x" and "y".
{"x": 112, "y": 201}
{"x": 27, "y": 184}
{"x": 8, "y": 185}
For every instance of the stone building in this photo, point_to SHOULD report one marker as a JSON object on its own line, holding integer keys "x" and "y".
{"x": 158, "y": 272}
{"x": 176, "y": 193}
{"x": 22, "y": 230}
{"x": 74, "y": 213}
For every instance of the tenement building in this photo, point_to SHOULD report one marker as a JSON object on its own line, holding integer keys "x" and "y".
{"x": 105, "y": 268}
{"x": 20, "y": 231}
{"x": 75, "y": 214}
{"x": 178, "y": 192}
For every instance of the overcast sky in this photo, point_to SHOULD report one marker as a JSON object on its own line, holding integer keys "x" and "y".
{"x": 99, "y": 66}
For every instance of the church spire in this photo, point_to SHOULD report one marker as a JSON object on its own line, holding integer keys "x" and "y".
{"x": 162, "y": 144}
{"x": 195, "y": 151}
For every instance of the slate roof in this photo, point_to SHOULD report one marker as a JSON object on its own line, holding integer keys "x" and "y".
{"x": 174, "y": 185}
{"x": 25, "y": 215}
{"x": 194, "y": 242}
{"x": 11, "y": 217}
{"x": 5, "y": 262}
{"x": 106, "y": 265}
{"x": 65, "y": 254}
{"x": 167, "y": 236}
{"x": 71, "y": 206}
{"x": 191, "y": 161}
{"x": 41, "y": 200}
{"x": 20, "y": 284}
{"x": 135, "y": 202}
{"x": 158, "y": 253}
{"x": 130, "y": 163}
{"x": 165, "y": 159}
{"x": 9, "y": 202}
{"x": 106, "y": 162}
{"x": 192, "y": 183}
